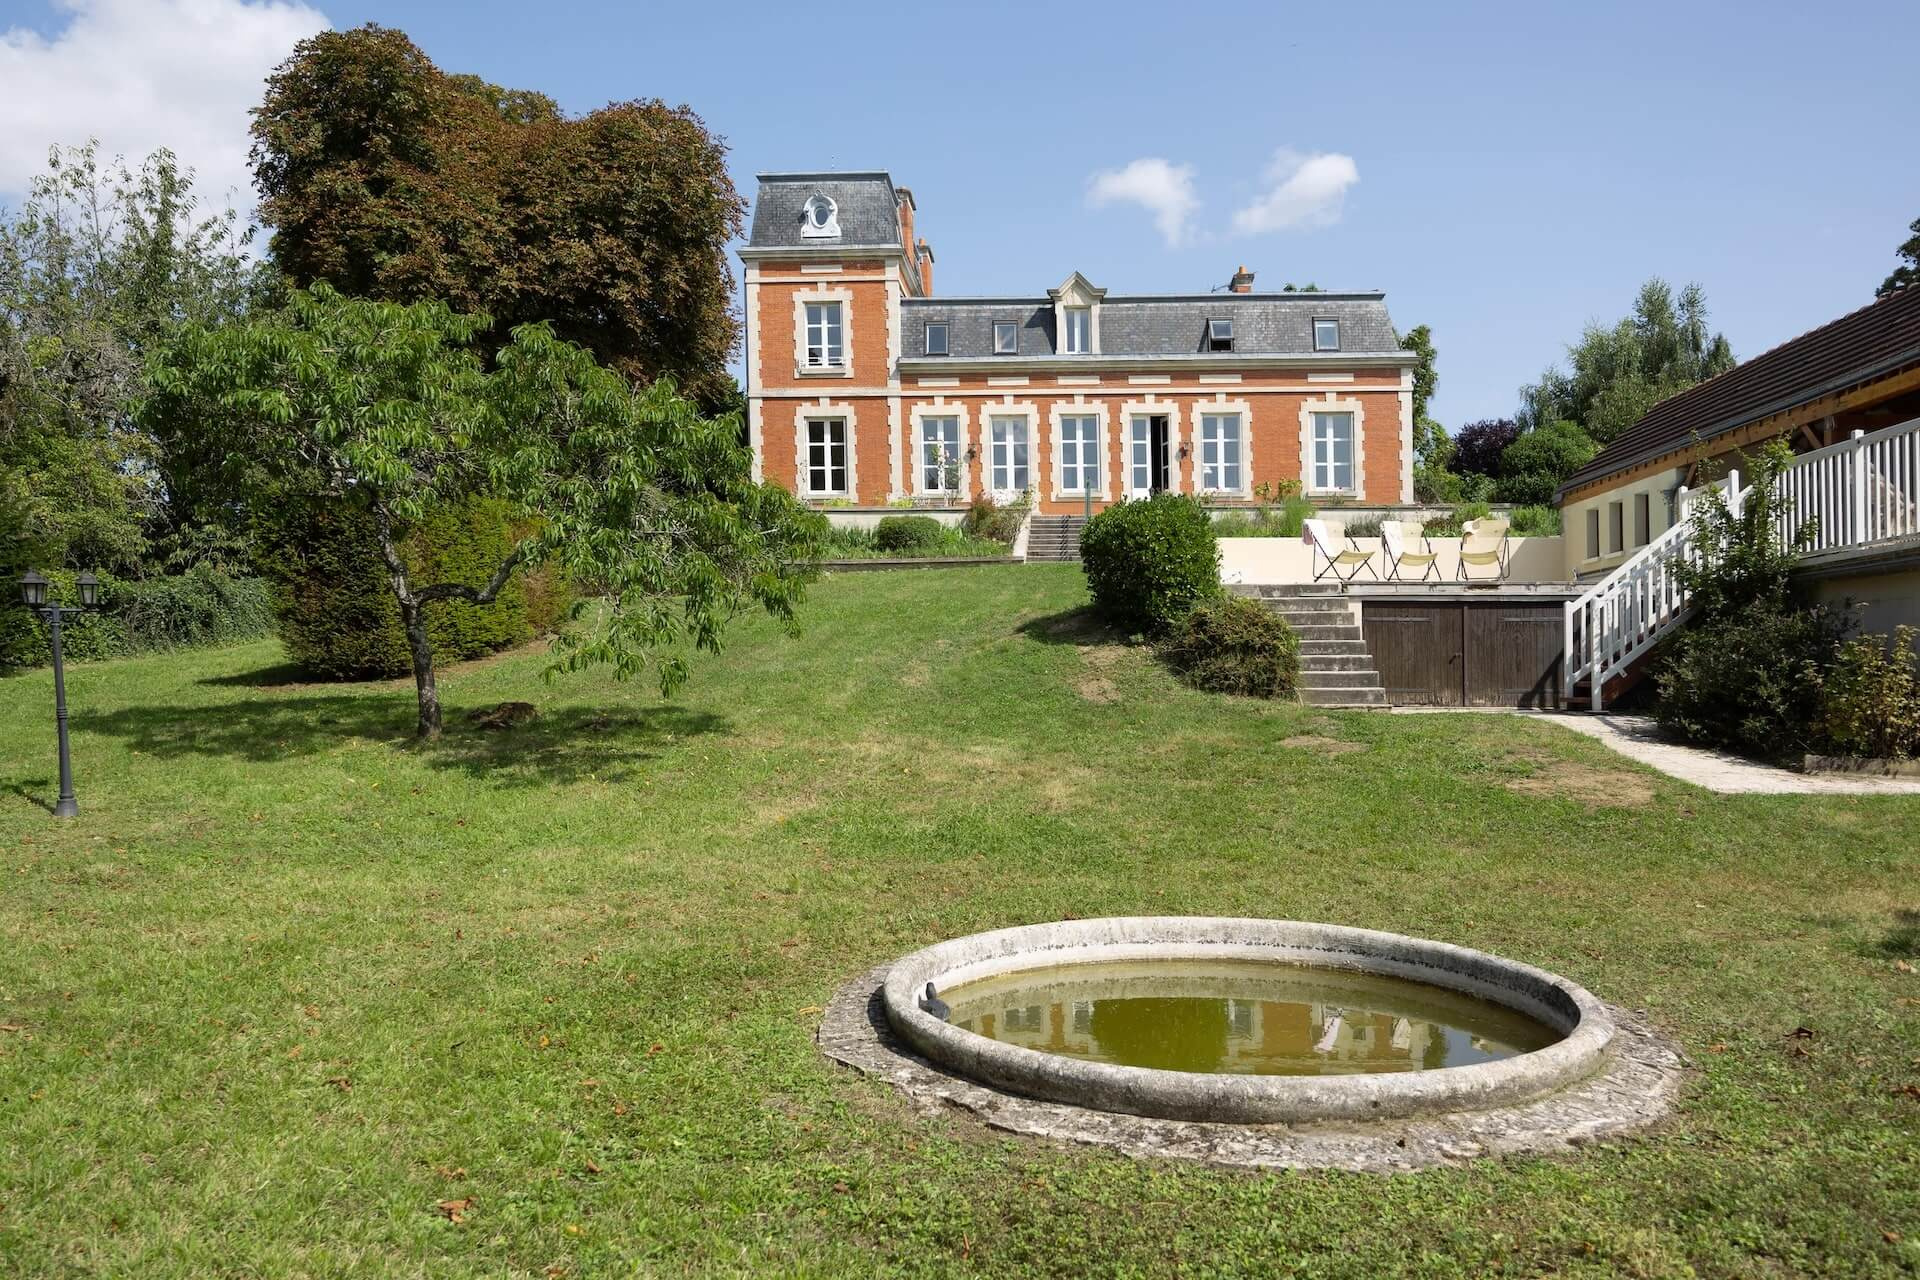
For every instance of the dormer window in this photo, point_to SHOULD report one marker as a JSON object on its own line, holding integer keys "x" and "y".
{"x": 820, "y": 219}
{"x": 936, "y": 337}
{"x": 1006, "y": 338}
{"x": 1326, "y": 334}
{"x": 1079, "y": 330}
{"x": 1219, "y": 335}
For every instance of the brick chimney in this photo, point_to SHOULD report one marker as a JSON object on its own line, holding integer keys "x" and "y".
{"x": 905, "y": 198}
{"x": 923, "y": 254}
{"x": 1242, "y": 281}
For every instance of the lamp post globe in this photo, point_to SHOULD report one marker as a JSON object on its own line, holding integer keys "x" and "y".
{"x": 89, "y": 589}
{"x": 33, "y": 589}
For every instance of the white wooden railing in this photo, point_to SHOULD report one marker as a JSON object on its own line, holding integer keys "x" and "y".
{"x": 1852, "y": 494}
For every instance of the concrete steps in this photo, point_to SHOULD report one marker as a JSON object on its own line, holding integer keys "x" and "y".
{"x": 1054, "y": 538}
{"x": 1335, "y": 668}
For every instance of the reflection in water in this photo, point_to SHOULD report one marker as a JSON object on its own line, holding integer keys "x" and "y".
{"x": 1245, "y": 1017}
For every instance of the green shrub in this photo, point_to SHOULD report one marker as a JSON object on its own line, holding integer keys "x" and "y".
{"x": 1535, "y": 465}
{"x": 335, "y": 606}
{"x": 1233, "y": 645}
{"x": 1148, "y": 563}
{"x": 1454, "y": 525}
{"x": 1367, "y": 528}
{"x": 1283, "y": 519}
{"x": 202, "y": 606}
{"x": 1870, "y": 700}
{"x": 1749, "y": 681}
{"x": 1535, "y": 522}
{"x": 900, "y": 533}
{"x": 988, "y": 520}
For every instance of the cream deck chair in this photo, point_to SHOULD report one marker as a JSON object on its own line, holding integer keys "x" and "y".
{"x": 1484, "y": 543}
{"x": 1397, "y": 536}
{"x": 1326, "y": 560}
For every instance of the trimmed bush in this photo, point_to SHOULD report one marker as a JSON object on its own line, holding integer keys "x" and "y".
{"x": 335, "y": 604}
{"x": 1870, "y": 700}
{"x": 1149, "y": 563}
{"x": 202, "y": 606}
{"x": 901, "y": 533}
{"x": 1233, "y": 645}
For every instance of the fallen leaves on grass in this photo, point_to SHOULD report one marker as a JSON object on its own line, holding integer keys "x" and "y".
{"x": 454, "y": 1210}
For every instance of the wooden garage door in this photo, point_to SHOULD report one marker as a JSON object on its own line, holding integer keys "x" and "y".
{"x": 1417, "y": 650}
{"x": 1513, "y": 654}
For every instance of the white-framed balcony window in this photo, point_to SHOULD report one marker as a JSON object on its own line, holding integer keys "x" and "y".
{"x": 827, "y": 457}
{"x": 939, "y": 455}
{"x": 1006, "y": 338}
{"x": 1008, "y": 441}
{"x": 1080, "y": 453}
{"x": 1333, "y": 452}
{"x": 1326, "y": 333}
{"x": 826, "y": 336}
{"x": 1220, "y": 453}
{"x": 1079, "y": 336}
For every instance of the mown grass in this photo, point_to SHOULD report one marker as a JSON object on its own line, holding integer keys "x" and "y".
{"x": 291, "y": 981}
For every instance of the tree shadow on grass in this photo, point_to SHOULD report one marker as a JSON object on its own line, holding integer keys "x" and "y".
{"x": 1902, "y": 941}
{"x": 1078, "y": 627}
{"x": 279, "y": 675}
{"x": 557, "y": 747}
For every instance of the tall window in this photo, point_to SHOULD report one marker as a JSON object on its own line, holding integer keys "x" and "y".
{"x": 1009, "y": 438}
{"x": 1079, "y": 330}
{"x": 1616, "y": 527}
{"x": 1079, "y": 454}
{"x": 826, "y": 344}
{"x": 1333, "y": 451}
{"x": 1006, "y": 338}
{"x": 1642, "y": 519}
{"x": 939, "y": 455}
{"x": 1326, "y": 334}
{"x": 936, "y": 337}
{"x": 1593, "y": 533}
{"x": 1220, "y": 452}
{"x": 827, "y": 455}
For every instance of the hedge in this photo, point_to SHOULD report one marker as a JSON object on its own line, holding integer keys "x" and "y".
{"x": 900, "y": 533}
{"x": 335, "y": 604}
{"x": 202, "y": 606}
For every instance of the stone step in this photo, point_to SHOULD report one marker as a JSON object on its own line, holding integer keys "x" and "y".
{"x": 1346, "y": 631}
{"x": 1316, "y": 648}
{"x": 1338, "y": 662}
{"x": 1356, "y": 680}
{"x": 1374, "y": 697}
{"x": 1316, "y": 618}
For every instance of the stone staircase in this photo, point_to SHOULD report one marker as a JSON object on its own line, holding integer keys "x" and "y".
{"x": 1335, "y": 668}
{"x": 1054, "y": 537}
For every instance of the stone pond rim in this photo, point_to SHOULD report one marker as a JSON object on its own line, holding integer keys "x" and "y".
{"x": 1586, "y": 1028}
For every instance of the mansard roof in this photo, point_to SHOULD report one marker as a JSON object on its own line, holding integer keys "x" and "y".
{"x": 1162, "y": 324}
{"x": 867, "y": 203}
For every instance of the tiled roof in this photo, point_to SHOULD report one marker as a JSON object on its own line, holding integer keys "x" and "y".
{"x": 1874, "y": 340}
{"x": 1263, "y": 323}
{"x": 866, "y": 202}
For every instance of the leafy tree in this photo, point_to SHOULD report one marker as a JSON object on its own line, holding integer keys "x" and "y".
{"x": 1291, "y": 287}
{"x": 1617, "y": 373}
{"x": 1907, "y": 274}
{"x": 389, "y": 409}
{"x": 387, "y": 178}
{"x": 1535, "y": 465}
{"x": 98, "y": 267}
{"x": 1478, "y": 445}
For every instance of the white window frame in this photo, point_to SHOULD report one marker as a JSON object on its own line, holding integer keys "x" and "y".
{"x": 1335, "y": 322}
{"x": 1070, "y": 437}
{"x": 1208, "y": 420}
{"x": 803, "y": 365}
{"x": 826, "y": 421}
{"x": 1078, "y": 337}
{"x": 1215, "y": 336}
{"x": 946, "y": 338}
{"x": 1323, "y": 475}
{"x": 1000, "y": 461}
{"x": 925, "y": 426}
{"x": 827, "y": 228}
{"x": 1014, "y": 325}
{"x": 1132, "y": 411}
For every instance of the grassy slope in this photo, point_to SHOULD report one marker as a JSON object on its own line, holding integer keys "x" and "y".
{"x": 290, "y": 980}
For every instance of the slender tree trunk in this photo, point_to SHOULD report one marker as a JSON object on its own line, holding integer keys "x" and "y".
{"x": 414, "y": 618}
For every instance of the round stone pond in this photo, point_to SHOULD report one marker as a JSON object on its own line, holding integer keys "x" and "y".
{"x": 1249, "y": 1041}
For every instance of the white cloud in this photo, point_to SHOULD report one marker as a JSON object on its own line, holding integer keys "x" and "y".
{"x": 1303, "y": 191}
{"x": 144, "y": 74}
{"x": 1165, "y": 190}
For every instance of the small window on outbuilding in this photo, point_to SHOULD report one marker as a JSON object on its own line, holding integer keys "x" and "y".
{"x": 936, "y": 337}
{"x": 1006, "y": 338}
{"x": 1593, "y": 533}
{"x": 1326, "y": 333}
{"x": 1616, "y": 527}
{"x": 1219, "y": 335}
{"x": 1642, "y": 519}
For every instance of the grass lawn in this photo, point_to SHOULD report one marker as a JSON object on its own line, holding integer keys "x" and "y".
{"x": 291, "y": 981}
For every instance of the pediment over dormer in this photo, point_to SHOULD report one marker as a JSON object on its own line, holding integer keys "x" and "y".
{"x": 1076, "y": 291}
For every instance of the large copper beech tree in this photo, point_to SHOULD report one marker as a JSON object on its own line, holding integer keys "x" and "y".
{"x": 387, "y": 178}
{"x": 390, "y": 407}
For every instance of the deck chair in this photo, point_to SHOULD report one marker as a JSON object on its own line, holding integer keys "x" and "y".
{"x": 1485, "y": 543}
{"x": 1323, "y": 534}
{"x": 1399, "y": 537}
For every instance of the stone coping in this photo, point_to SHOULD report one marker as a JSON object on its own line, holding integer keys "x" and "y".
{"x": 1587, "y": 1028}
{"x": 867, "y": 563}
{"x": 1632, "y": 1092}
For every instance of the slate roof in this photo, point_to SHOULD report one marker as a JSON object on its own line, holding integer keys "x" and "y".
{"x": 867, "y": 204}
{"x": 1263, "y": 324}
{"x": 1875, "y": 340}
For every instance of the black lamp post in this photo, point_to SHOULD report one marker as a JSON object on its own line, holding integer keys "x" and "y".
{"x": 33, "y": 590}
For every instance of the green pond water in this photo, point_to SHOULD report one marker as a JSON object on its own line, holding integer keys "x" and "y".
{"x": 1248, "y": 1017}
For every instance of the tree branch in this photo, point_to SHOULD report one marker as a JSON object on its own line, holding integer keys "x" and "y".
{"x": 483, "y": 595}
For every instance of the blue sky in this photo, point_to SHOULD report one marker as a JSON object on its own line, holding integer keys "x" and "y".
{"x": 1505, "y": 172}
